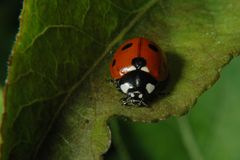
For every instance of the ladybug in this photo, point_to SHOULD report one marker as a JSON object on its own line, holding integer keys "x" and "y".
{"x": 137, "y": 68}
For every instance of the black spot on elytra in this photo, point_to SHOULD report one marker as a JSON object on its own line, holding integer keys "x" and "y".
{"x": 127, "y": 46}
{"x": 114, "y": 62}
{"x": 153, "y": 47}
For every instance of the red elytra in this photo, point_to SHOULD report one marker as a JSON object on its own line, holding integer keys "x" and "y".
{"x": 139, "y": 47}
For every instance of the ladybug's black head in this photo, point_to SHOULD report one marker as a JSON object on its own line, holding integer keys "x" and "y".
{"x": 139, "y": 62}
{"x": 138, "y": 86}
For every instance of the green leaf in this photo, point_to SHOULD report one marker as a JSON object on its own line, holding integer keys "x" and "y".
{"x": 210, "y": 131}
{"x": 1, "y": 102}
{"x": 58, "y": 95}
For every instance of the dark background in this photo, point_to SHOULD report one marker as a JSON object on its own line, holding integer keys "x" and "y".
{"x": 9, "y": 13}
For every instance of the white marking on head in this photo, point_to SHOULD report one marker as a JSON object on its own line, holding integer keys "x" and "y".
{"x": 145, "y": 69}
{"x": 140, "y": 96}
{"x": 150, "y": 87}
{"x": 125, "y": 87}
{"x": 132, "y": 68}
{"x": 127, "y": 69}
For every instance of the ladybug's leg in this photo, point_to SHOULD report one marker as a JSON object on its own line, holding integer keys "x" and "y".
{"x": 131, "y": 102}
{"x": 143, "y": 103}
{"x": 127, "y": 101}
